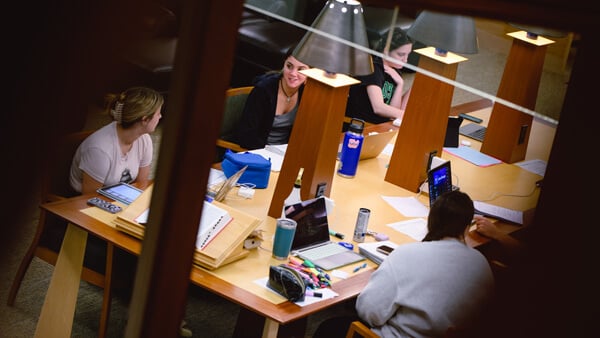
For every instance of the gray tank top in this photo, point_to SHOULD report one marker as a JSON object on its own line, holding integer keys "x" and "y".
{"x": 282, "y": 127}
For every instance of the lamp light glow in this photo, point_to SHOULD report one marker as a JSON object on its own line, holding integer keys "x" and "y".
{"x": 344, "y": 20}
{"x": 445, "y": 32}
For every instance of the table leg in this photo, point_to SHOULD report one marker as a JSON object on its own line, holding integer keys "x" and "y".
{"x": 106, "y": 299}
{"x": 270, "y": 329}
{"x": 249, "y": 325}
{"x": 58, "y": 311}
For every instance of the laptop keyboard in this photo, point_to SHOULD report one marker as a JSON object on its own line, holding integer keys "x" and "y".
{"x": 322, "y": 251}
{"x": 473, "y": 131}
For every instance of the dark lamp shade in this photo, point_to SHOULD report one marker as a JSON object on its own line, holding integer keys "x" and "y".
{"x": 343, "y": 19}
{"x": 448, "y": 32}
{"x": 534, "y": 31}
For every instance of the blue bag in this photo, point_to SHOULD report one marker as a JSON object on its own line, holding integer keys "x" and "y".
{"x": 257, "y": 173}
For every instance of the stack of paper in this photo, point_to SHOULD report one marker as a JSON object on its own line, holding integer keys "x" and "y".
{"x": 132, "y": 220}
{"x": 505, "y": 214}
{"x": 369, "y": 250}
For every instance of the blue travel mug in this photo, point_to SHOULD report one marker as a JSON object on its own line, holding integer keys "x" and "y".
{"x": 284, "y": 236}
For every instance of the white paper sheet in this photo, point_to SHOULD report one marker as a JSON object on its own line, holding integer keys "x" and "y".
{"x": 415, "y": 228}
{"x": 407, "y": 206}
{"x": 534, "y": 166}
{"x": 326, "y": 292}
{"x": 275, "y": 153}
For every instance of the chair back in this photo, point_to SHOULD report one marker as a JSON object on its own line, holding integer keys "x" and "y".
{"x": 55, "y": 180}
{"x": 358, "y": 329}
{"x": 234, "y": 106}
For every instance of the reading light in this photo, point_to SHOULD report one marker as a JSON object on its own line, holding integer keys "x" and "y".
{"x": 445, "y": 32}
{"x": 534, "y": 31}
{"x": 344, "y": 20}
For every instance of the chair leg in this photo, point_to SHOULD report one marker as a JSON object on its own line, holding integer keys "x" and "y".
{"x": 106, "y": 299}
{"x": 26, "y": 261}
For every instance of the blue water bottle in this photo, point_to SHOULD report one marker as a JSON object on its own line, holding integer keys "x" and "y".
{"x": 350, "y": 154}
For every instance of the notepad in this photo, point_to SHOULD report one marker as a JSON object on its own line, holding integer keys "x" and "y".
{"x": 213, "y": 220}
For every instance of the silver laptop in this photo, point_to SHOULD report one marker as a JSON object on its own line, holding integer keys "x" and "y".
{"x": 311, "y": 240}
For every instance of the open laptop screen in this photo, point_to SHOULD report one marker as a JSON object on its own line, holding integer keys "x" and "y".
{"x": 439, "y": 181}
{"x": 311, "y": 219}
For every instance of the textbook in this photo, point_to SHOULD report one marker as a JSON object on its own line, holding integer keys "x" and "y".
{"x": 223, "y": 244}
{"x": 369, "y": 250}
{"x": 213, "y": 220}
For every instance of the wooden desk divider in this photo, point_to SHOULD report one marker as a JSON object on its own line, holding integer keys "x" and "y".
{"x": 226, "y": 247}
{"x": 423, "y": 127}
{"x": 508, "y": 129}
{"x": 315, "y": 138}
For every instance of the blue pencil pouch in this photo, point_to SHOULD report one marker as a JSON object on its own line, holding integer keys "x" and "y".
{"x": 257, "y": 172}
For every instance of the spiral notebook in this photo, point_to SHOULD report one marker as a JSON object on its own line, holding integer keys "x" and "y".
{"x": 213, "y": 220}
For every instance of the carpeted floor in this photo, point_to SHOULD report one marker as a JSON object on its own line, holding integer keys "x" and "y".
{"x": 208, "y": 315}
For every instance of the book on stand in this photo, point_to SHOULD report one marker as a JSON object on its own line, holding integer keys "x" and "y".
{"x": 213, "y": 220}
{"x": 221, "y": 233}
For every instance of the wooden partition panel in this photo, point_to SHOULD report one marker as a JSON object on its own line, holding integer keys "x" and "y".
{"x": 508, "y": 130}
{"x": 315, "y": 137}
{"x": 424, "y": 124}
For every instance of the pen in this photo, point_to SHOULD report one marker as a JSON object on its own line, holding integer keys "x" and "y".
{"x": 360, "y": 267}
{"x": 336, "y": 234}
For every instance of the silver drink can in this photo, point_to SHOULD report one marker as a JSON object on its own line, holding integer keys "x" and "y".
{"x": 362, "y": 222}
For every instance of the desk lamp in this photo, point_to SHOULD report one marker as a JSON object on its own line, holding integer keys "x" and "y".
{"x": 315, "y": 137}
{"x": 423, "y": 127}
{"x": 507, "y": 133}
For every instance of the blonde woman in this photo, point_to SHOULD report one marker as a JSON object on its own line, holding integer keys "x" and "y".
{"x": 122, "y": 150}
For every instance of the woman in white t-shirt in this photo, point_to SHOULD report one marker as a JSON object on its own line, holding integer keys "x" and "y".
{"x": 122, "y": 150}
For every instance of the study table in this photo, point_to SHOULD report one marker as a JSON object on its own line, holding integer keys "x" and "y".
{"x": 236, "y": 281}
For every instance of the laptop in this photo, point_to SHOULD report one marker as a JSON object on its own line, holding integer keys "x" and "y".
{"x": 311, "y": 240}
{"x": 439, "y": 181}
{"x": 373, "y": 144}
{"x": 473, "y": 131}
{"x": 218, "y": 192}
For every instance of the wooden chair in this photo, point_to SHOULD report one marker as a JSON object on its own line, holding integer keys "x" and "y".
{"x": 358, "y": 329}
{"x": 54, "y": 187}
{"x": 234, "y": 106}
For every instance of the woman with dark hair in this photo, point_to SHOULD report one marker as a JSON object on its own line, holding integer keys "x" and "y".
{"x": 427, "y": 288}
{"x": 271, "y": 107}
{"x": 380, "y": 96}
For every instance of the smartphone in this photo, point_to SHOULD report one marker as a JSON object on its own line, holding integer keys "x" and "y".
{"x": 384, "y": 249}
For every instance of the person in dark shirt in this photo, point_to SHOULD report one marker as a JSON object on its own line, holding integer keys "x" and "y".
{"x": 271, "y": 107}
{"x": 380, "y": 96}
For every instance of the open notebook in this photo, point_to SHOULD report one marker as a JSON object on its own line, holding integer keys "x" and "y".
{"x": 311, "y": 240}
